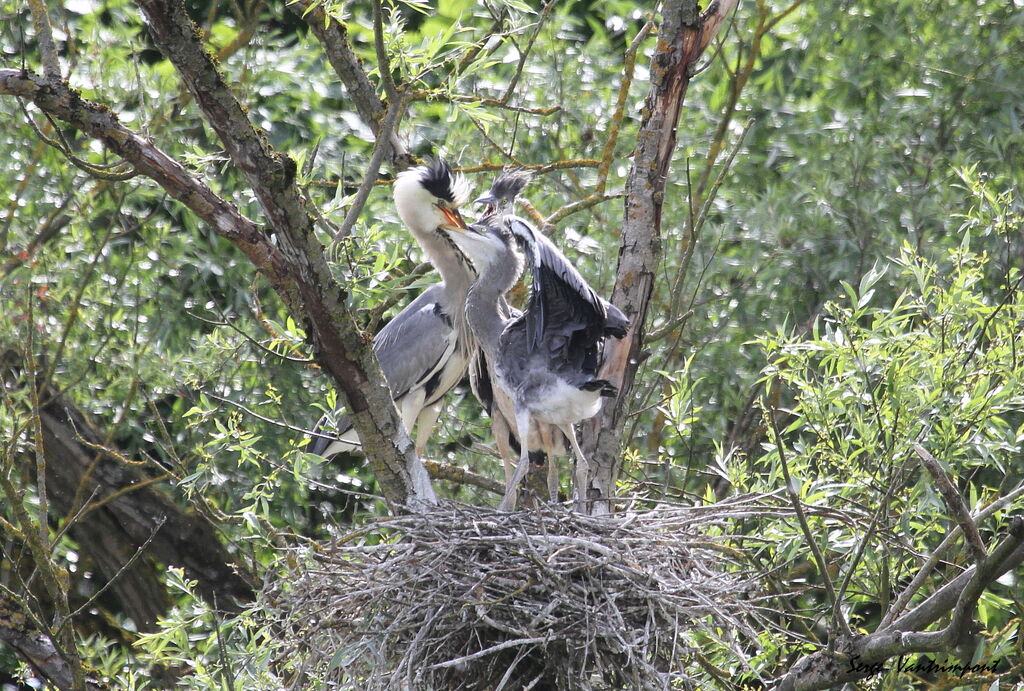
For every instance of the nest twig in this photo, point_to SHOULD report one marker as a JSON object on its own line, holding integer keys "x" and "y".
{"x": 467, "y": 598}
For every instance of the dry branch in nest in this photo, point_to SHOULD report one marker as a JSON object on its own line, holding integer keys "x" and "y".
{"x": 467, "y": 598}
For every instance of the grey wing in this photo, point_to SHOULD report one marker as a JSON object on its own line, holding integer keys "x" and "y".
{"x": 616, "y": 322}
{"x": 411, "y": 349}
{"x": 480, "y": 380}
{"x": 570, "y": 290}
{"x": 417, "y": 342}
{"x": 565, "y": 291}
{"x": 561, "y": 300}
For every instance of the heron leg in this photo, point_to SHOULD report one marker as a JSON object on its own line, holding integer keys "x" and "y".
{"x": 423, "y": 418}
{"x": 546, "y": 433}
{"x": 500, "y": 430}
{"x": 582, "y": 467}
{"x": 508, "y": 503}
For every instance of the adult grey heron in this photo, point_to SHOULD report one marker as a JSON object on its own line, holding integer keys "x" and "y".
{"x": 424, "y": 350}
{"x": 546, "y": 359}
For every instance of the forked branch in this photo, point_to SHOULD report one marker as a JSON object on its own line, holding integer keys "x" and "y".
{"x": 857, "y": 657}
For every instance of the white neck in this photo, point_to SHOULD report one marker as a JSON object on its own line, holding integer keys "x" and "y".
{"x": 419, "y": 212}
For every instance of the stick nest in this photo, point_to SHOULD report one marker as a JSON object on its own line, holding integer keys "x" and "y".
{"x": 467, "y": 598}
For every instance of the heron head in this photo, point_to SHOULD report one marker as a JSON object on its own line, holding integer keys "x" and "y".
{"x": 428, "y": 197}
{"x": 503, "y": 193}
{"x": 491, "y": 204}
{"x": 483, "y": 242}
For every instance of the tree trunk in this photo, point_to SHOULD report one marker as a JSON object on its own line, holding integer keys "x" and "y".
{"x": 123, "y": 510}
{"x": 36, "y": 648}
{"x": 682, "y": 38}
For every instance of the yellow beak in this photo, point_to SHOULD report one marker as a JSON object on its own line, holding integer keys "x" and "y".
{"x": 454, "y": 218}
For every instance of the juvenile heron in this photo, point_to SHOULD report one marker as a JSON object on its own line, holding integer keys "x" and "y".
{"x": 546, "y": 359}
{"x": 544, "y": 441}
{"x": 424, "y": 351}
{"x": 501, "y": 197}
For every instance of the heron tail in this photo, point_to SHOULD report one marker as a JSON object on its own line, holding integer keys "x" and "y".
{"x": 328, "y": 435}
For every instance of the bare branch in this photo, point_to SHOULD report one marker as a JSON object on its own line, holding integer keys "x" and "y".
{"x": 744, "y": 69}
{"x": 383, "y": 63}
{"x": 446, "y": 471}
{"x": 954, "y": 502}
{"x": 333, "y": 36}
{"x": 44, "y": 34}
{"x": 36, "y": 533}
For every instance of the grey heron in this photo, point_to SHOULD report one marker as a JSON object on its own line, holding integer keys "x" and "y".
{"x": 424, "y": 350}
{"x": 547, "y": 359}
{"x": 543, "y": 441}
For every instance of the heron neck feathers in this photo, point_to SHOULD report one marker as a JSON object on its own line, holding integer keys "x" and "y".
{"x": 418, "y": 212}
{"x": 486, "y": 298}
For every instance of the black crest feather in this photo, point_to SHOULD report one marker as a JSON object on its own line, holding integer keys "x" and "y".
{"x": 509, "y": 184}
{"x": 438, "y": 179}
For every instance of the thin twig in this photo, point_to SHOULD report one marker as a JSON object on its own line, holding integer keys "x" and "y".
{"x": 424, "y": 95}
{"x": 262, "y": 418}
{"x": 580, "y": 205}
{"x": 43, "y": 525}
{"x": 488, "y": 651}
{"x": 936, "y": 556}
{"x": 95, "y": 170}
{"x": 798, "y": 508}
{"x": 524, "y": 53}
{"x": 224, "y": 321}
{"x": 470, "y": 54}
{"x": 615, "y": 124}
{"x": 867, "y": 535}
{"x": 127, "y": 565}
{"x": 394, "y": 114}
